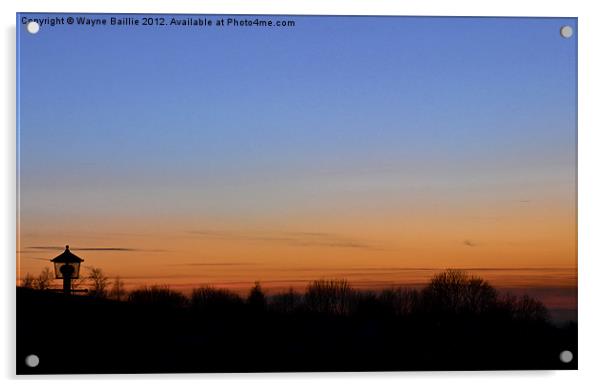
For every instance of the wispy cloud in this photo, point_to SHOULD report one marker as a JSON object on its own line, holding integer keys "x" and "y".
{"x": 315, "y": 239}
{"x": 38, "y": 259}
{"x": 469, "y": 243}
{"x": 54, "y": 248}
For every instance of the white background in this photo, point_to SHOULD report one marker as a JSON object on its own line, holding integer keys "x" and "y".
{"x": 590, "y": 192}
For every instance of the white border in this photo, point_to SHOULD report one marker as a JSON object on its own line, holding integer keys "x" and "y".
{"x": 590, "y": 192}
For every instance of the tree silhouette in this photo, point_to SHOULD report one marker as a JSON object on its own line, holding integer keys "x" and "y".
{"x": 211, "y": 299}
{"x": 329, "y": 296}
{"x": 160, "y": 297}
{"x": 455, "y": 292}
{"x": 99, "y": 282}
{"x": 400, "y": 301}
{"x": 28, "y": 281}
{"x": 331, "y": 326}
{"x": 118, "y": 289}
{"x": 286, "y": 302}
{"x": 256, "y": 299}
{"x": 43, "y": 280}
{"x": 524, "y": 308}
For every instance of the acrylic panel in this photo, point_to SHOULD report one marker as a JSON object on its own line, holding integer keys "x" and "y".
{"x": 246, "y": 193}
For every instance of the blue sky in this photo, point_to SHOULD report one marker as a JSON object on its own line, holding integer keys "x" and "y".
{"x": 189, "y": 100}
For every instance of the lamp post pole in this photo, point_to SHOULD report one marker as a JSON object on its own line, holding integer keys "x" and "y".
{"x": 67, "y": 271}
{"x": 67, "y": 285}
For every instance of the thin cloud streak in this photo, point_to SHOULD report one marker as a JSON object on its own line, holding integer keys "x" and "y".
{"x": 291, "y": 238}
{"x": 36, "y": 258}
{"x": 215, "y": 264}
{"x": 107, "y": 249}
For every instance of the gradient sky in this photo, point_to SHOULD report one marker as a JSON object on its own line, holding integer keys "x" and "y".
{"x": 345, "y": 146}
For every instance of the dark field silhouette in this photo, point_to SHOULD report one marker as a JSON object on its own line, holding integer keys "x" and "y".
{"x": 456, "y": 322}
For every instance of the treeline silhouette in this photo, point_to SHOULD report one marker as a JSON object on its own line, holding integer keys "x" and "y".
{"x": 456, "y": 322}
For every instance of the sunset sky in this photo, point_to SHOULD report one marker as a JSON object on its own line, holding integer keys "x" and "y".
{"x": 379, "y": 149}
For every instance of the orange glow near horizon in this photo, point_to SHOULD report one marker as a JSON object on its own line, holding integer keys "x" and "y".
{"x": 520, "y": 245}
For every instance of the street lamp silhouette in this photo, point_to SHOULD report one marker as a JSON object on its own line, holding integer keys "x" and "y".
{"x": 66, "y": 267}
